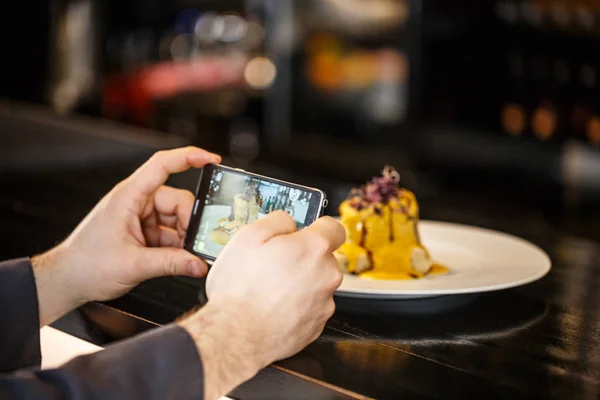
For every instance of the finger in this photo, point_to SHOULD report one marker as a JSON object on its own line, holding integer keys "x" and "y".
{"x": 329, "y": 309}
{"x": 274, "y": 224}
{"x": 168, "y": 261}
{"x": 170, "y": 202}
{"x": 169, "y": 237}
{"x": 334, "y": 276}
{"x": 154, "y": 173}
{"x": 171, "y": 221}
{"x": 168, "y": 220}
{"x": 325, "y": 235}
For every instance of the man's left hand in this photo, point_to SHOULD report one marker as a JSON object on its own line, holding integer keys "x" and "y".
{"x": 135, "y": 233}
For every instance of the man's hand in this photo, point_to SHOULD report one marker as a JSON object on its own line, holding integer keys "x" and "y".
{"x": 135, "y": 233}
{"x": 270, "y": 294}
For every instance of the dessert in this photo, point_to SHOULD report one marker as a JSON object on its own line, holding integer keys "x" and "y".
{"x": 244, "y": 210}
{"x": 382, "y": 235}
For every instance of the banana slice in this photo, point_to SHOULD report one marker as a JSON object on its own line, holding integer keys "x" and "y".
{"x": 420, "y": 261}
{"x": 362, "y": 263}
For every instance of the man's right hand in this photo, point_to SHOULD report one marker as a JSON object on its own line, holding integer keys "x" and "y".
{"x": 270, "y": 294}
{"x": 282, "y": 278}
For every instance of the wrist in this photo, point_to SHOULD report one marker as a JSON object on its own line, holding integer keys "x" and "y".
{"x": 56, "y": 289}
{"x": 228, "y": 346}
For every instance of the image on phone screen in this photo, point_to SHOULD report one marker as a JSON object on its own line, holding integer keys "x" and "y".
{"x": 234, "y": 200}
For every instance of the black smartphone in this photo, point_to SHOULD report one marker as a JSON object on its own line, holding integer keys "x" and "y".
{"x": 228, "y": 198}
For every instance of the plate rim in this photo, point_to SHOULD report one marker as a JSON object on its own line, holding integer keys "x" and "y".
{"x": 424, "y": 293}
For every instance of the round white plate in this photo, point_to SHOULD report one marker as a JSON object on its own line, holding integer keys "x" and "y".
{"x": 480, "y": 260}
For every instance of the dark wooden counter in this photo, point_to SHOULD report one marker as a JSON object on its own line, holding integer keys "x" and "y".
{"x": 537, "y": 341}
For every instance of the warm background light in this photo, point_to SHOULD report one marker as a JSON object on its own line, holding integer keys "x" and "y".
{"x": 260, "y": 73}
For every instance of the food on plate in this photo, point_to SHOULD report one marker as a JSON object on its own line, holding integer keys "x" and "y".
{"x": 224, "y": 231}
{"x": 382, "y": 234}
{"x": 244, "y": 210}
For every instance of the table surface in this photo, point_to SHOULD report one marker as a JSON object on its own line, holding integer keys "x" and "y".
{"x": 541, "y": 340}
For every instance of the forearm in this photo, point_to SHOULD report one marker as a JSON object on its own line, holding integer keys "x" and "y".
{"x": 56, "y": 291}
{"x": 160, "y": 364}
{"x": 228, "y": 353}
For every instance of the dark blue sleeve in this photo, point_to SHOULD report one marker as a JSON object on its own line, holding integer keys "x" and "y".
{"x": 19, "y": 316}
{"x": 160, "y": 364}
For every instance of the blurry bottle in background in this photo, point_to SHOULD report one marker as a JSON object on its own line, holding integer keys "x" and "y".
{"x": 387, "y": 102}
{"x": 593, "y": 130}
{"x": 582, "y": 97}
{"x": 74, "y": 59}
{"x": 516, "y": 107}
{"x": 578, "y": 18}
{"x": 545, "y": 121}
{"x": 549, "y": 120}
{"x": 514, "y": 118}
{"x": 170, "y": 70}
{"x": 590, "y": 89}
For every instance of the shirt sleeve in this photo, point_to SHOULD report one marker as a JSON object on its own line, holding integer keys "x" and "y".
{"x": 160, "y": 364}
{"x": 19, "y": 316}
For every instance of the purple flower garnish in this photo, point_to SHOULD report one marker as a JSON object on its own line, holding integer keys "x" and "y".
{"x": 379, "y": 190}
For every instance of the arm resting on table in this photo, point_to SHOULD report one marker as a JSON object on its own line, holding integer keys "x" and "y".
{"x": 160, "y": 364}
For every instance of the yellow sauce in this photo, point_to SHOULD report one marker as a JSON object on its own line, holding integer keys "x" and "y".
{"x": 438, "y": 269}
{"x": 388, "y": 276}
{"x": 392, "y": 259}
{"x": 377, "y": 229}
{"x": 382, "y": 240}
{"x": 353, "y": 252}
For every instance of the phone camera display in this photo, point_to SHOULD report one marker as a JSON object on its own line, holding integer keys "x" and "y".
{"x": 235, "y": 200}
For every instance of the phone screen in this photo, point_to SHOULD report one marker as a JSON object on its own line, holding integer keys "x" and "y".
{"x": 230, "y": 199}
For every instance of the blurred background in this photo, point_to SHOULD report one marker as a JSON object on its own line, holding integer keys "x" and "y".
{"x": 489, "y": 109}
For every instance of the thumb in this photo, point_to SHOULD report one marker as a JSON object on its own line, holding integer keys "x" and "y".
{"x": 170, "y": 261}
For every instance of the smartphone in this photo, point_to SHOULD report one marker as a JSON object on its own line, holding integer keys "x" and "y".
{"x": 227, "y": 199}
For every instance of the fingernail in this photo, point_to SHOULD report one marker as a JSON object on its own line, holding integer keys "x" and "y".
{"x": 195, "y": 268}
{"x": 216, "y": 158}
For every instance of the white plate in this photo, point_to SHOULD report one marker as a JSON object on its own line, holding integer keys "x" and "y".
{"x": 480, "y": 260}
